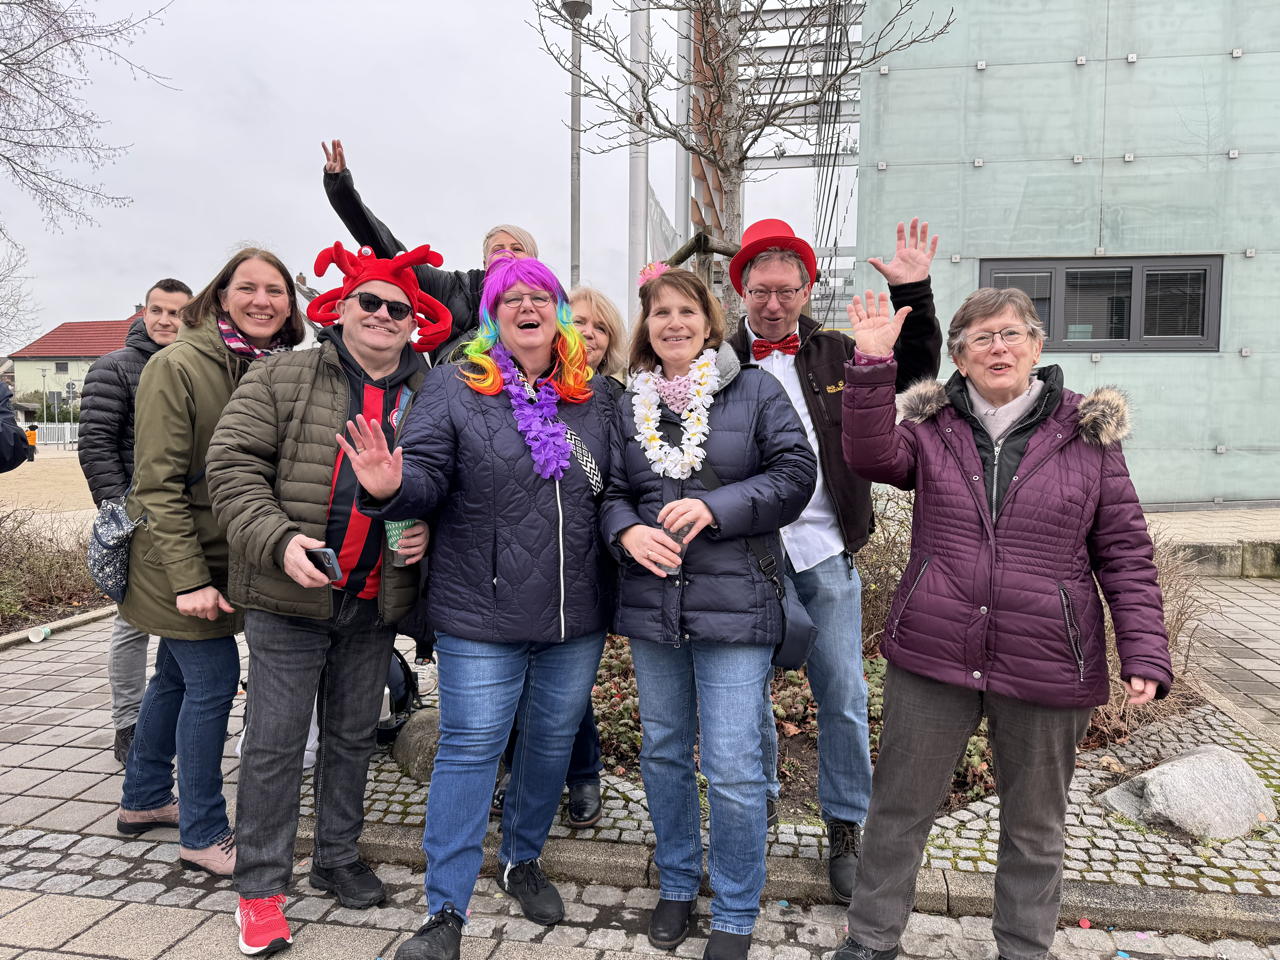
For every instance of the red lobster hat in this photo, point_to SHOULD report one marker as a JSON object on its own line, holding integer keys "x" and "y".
{"x": 434, "y": 319}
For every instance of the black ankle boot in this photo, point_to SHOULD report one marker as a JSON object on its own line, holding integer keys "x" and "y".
{"x": 727, "y": 946}
{"x": 669, "y": 923}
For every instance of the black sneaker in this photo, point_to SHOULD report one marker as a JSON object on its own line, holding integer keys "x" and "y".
{"x": 357, "y": 887}
{"x": 727, "y": 946}
{"x": 584, "y": 809}
{"x": 851, "y": 949}
{"x": 669, "y": 923}
{"x": 771, "y": 813}
{"x": 539, "y": 900}
{"x": 844, "y": 845}
{"x": 440, "y": 938}
{"x": 499, "y": 795}
{"x": 124, "y": 740}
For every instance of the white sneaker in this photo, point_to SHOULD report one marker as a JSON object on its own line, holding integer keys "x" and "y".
{"x": 428, "y": 677}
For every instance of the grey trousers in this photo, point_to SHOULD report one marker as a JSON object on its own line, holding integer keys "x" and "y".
{"x": 127, "y": 670}
{"x": 925, "y": 729}
{"x": 339, "y": 667}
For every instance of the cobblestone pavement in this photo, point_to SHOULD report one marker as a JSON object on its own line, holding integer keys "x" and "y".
{"x": 1242, "y": 641}
{"x": 67, "y": 895}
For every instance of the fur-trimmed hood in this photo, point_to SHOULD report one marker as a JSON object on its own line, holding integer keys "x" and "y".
{"x": 1103, "y": 414}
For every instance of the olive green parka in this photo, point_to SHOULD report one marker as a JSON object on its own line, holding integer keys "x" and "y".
{"x": 180, "y": 546}
{"x": 271, "y": 472}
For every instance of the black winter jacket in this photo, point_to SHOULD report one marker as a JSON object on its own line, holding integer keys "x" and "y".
{"x": 820, "y": 363}
{"x": 515, "y": 558}
{"x": 459, "y": 290}
{"x": 106, "y": 415}
{"x": 759, "y": 452}
{"x": 13, "y": 439}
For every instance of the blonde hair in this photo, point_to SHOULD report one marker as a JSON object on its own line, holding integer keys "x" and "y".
{"x": 519, "y": 234}
{"x": 602, "y": 308}
{"x": 688, "y": 285}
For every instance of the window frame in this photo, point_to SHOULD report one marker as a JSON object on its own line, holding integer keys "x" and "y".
{"x": 66, "y": 364}
{"x": 1137, "y": 340}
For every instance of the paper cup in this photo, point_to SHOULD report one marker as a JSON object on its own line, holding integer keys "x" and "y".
{"x": 36, "y": 634}
{"x": 396, "y": 528}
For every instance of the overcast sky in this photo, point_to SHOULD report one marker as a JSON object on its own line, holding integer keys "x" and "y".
{"x": 452, "y": 117}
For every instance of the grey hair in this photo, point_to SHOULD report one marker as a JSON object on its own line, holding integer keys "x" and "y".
{"x": 770, "y": 254}
{"x": 518, "y": 234}
{"x": 986, "y": 302}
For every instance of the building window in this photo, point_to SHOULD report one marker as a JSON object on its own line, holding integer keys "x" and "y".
{"x": 61, "y": 366}
{"x": 1112, "y": 303}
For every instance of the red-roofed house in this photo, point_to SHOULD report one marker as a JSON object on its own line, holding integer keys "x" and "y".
{"x": 65, "y": 353}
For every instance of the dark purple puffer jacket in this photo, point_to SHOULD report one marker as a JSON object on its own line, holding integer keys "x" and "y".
{"x": 1013, "y": 607}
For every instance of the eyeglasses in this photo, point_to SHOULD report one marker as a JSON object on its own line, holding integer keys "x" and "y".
{"x": 370, "y": 302}
{"x": 786, "y": 295}
{"x": 513, "y": 301}
{"x": 1012, "y": 336}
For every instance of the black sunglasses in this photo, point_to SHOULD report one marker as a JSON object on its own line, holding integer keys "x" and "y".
{"x": 370, "y": 302}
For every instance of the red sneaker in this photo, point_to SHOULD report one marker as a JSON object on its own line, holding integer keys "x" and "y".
{"x": 263, "y": 928}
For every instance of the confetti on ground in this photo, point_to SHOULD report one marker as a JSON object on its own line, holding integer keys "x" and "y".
{"x": 1142, "y": 936}
{"x": 1085, "y": 923}
{"x": 1122, "y": 955}
{"x": 783, "y": 903}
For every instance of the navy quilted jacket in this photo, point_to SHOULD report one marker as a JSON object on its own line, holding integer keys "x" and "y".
{"x": 1012, "y": 606}
{"x": 514, "y": 558}
{"x": 760, "y": 453}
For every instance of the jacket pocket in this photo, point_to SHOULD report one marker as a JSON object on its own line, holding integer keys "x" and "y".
{"x": 906, "y": 601}
{"x": 1072, "y": 628}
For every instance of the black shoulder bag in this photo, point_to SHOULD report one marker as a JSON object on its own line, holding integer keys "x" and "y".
{"x": 798, "y": 631}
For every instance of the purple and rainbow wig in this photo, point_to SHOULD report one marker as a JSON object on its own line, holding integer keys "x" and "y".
{"x": 571, "y": 371}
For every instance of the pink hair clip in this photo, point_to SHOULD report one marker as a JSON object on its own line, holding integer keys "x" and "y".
{"x": 655, "y": 269}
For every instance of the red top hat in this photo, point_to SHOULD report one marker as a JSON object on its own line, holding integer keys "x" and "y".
{"x": 433, "y": 317}
{"x": 762, "y": 235}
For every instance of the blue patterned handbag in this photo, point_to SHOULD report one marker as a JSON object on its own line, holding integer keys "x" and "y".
{"x": 108, "y": 555}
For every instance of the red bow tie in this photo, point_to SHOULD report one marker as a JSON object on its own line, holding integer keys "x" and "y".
{"x": 761, "y": 348}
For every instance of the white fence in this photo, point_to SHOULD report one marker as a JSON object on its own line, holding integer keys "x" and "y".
{"x": 62, "y": 435}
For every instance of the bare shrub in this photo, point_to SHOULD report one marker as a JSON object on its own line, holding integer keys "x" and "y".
{"x": 42, "y": 571}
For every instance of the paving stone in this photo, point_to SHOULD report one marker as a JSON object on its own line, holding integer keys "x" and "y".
{"x": 138, "y": 932}
{"x": 602, "y": 896}
{"x": 307, "y": 908}
{"x": 111, "y": 867}
{"x": 140, "y": 892}
{"x": 1237, "y": 950}
{"x": 561, "y": 936}
{"x": 65, "y": 883}
{"x": 97, "y": 846}
{"x": 100, "y": 888}
{"x": 52, "y": 920}
{"x": 224, "y": 901}
{"x": 179, "y": 897}
{"x": 606, "y": 939}
{"x": 55, "y": 841}
{"x": 25, "y": 879}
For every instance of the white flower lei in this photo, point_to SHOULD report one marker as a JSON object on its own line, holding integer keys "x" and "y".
{"x": 666, "y": 460}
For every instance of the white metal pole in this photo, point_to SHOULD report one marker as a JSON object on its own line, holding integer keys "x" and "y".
{"x": 638, "y": 217}
{"x": 684, "y": 99}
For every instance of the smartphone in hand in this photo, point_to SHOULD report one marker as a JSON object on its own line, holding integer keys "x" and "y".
{"x": 326, "y": 561}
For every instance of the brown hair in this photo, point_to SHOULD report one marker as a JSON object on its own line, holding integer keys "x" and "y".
{"x": 783, "y": 254}
{"x": 987, "y": 302}
{"x": 168, "y": 285}
{"x": 602, "y": 309}
{"x": 689, "y": 285}
{"x": 207, "y": 304}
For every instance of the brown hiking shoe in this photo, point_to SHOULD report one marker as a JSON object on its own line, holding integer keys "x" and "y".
{"x": 133, "y": 822}
{"x": 218, "y": 859}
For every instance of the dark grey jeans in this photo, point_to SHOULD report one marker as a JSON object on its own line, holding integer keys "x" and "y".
{"x": 925, "y": 728}
{"x": 340, "y": 666}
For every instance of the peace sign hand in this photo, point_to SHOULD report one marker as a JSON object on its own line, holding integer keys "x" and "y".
{"x": 912, "y": 257}
{"x": 875, "y": 326}
{"x": 335, "y": 161}
{"x": 379, "y": 470}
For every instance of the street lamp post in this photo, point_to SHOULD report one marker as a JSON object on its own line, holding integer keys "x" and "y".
{"x": 575, "y": 10}
{"x": 44, "y": 395}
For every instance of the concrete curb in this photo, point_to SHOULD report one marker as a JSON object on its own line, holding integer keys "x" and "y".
{"x": 1238, "y": 558}
{"x": 20, "y": 636}
{"x": 954, "y": 893}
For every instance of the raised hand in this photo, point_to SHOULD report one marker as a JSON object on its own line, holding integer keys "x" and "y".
{"x": 335, "y": 161}
{"x": 378, "y": 469}
{"x": 875, "y": 325}
{"x": 912, "y": 257}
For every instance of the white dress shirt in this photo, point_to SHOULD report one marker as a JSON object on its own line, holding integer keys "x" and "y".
{"x": 816, "y": 535}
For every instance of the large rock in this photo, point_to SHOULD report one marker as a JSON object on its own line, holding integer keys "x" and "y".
{"x": 415, "y": 748}
{"x": 1207, "y": 792}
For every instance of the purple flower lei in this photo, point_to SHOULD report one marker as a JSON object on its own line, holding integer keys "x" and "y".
{"x": 535, "y": 417}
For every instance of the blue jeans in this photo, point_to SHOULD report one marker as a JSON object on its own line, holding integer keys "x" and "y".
{"x": 711, "y": 688}
{"x": 832, "y": 593}
{"x": 184, "y": 714}
{"x": 484, "y": 687}
{"x": 584, "y": 761}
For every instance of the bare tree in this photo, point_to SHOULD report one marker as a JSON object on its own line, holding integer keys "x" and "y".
{"x": 762, "y": 70}
{"x": 17, "y": 312}
{"x": 45, "y": 124}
